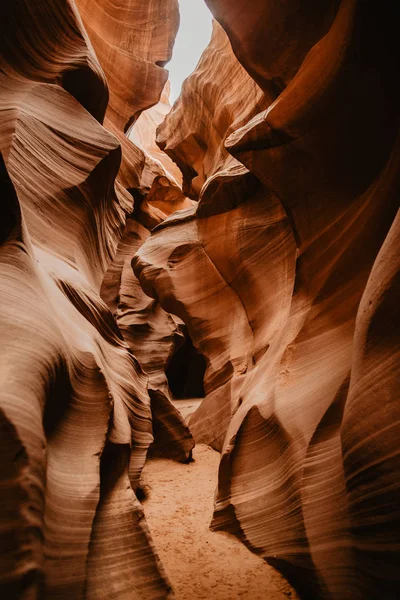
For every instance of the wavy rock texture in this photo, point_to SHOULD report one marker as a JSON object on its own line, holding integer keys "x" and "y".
{"x": 194, "y": 138}
{"x": 286, "y": 275}
{"x": 287, "y": 278}
{"x": 75, "y": 411}
{"x": 272, "y": 57}
{"x": 153, "y": 335}
{"x": 143, "y": 135}
{"x": 161, "y": 178}
{"x": 133, "y": 40}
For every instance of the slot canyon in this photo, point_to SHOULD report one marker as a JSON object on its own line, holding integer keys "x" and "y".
{"x": 199, "y": 303}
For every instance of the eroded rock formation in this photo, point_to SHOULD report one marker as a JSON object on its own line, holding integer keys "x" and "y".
{"x": 282, "y": 276}
{"x": 282, "y": 263}
{"x": 76, "y": 416}
{"x": 152, "y": 334}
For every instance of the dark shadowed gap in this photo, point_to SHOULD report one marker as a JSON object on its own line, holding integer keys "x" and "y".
{"x": 185, "y": 371}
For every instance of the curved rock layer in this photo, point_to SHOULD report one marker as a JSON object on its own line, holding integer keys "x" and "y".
{"x": 76, "y": 416}
{"x": 143, "y": 135}
{"x": 132, "y": 40}
{"x": 206, "y": 112}
{"x": 287, "y": 277}
{"x": 153, "y": 335}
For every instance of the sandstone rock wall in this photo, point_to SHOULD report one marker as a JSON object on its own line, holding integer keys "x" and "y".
{"x": 143, "y": 135}
{"x": 194, "y": 136}
{"x": 76, "y": 416}
{"x": 283, "y": 266}
{"x": 132, "y": 40}
{"x": 286, "y": 277}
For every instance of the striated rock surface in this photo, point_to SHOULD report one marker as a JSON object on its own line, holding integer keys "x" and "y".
{"x": 286, "y": 275}
{"x": 194, "y": 137}
{"x": 280, "y": 258}
{"x": 153, "y": 335}
{"x": 133, "y": 41}
{"x": 271, "y": 42}
{"x": 143, "y": 135}
{"x": 76, "y": 416}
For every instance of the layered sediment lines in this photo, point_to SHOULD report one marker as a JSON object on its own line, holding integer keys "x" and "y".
{"x": 151, "y": 333}
{"x": 207, "y": 111}
{"x": 132, "y": 40}
{"x": 286, "y": 275}
{"x": 280, "y": 258}
{"x": 76, "y": 415}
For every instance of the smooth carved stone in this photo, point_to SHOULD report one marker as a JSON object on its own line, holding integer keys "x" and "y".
{"x": 62, "y": 199}
{"x": 143, "y": 135}
{"x": 371, "y": 421}
{"x": 227, "y": 335}
{"x": 67, "y": 379}
{"x": 161, "y": 178}
{"x": 287, "y": 277}
{"x": 271, "y": 42}
{"x": 64, "y": 55}
{"x": 206, "y": 112}
{"x": 132, "y": 52}
{"x": 75, "y": 411}
{"x": 286, "y": 274}
{"x": 132, "y": 40}
{"x": 153, "y": 335}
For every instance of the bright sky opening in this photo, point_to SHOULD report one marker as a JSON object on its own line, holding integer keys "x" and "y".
{"x": 193, "y": 36}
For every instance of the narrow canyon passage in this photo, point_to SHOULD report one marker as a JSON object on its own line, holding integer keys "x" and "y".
{"x": 206, "y": 270}
{"x": 201, "y": 564}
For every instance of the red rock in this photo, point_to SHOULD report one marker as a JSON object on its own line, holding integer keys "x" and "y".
{"x": 279, "y": 256}
{"x": 281, "y": 275}
{"x": 76, "y": 416}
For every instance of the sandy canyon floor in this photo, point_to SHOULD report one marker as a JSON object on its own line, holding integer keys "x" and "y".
{"x": 201, "y": 564}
